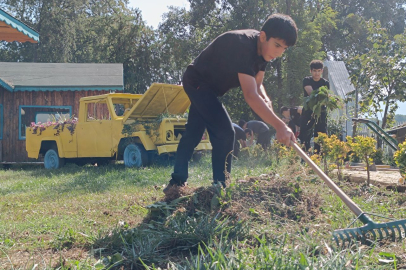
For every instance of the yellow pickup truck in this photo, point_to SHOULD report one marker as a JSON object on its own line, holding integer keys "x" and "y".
{"x": 116, "y": 126}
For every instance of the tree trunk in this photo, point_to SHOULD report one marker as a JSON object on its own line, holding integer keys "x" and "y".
{"x": 367, "y": 162}
{"x": 288, "y": 7}
{"x": 354, "y": 124}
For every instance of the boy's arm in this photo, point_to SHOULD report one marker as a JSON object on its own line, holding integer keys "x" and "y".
{"x": 249, "y": 87}
{"x": 243, "y": 143}
{"x": 308, "y": 89}
{"x": 259, "y": 78}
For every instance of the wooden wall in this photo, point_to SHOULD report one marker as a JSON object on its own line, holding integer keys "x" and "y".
{"x": 13, "y": 149}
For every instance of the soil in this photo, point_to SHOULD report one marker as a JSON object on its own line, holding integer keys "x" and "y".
{"x": 377, "y": 178}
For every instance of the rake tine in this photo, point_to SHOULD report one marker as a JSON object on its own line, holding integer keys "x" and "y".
{"x": 393, "y": 233}
{"x": 336, "y": 240}
{"x": 397, "y": 230}
{"x": 403, "y": 234}
{"x": 386, "y": 231}
{"x": 380, "y": 234}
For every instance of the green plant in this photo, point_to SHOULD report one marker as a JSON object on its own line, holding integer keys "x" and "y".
{"x": 378, "y": 156}
{"x": 335, "y": 125}
{"x": 332, "y": 150}
{"x": 400, "y": 158}
{"x": 320, "y": 98}
{"x": 363, "y": 147}
{"x": 151, "y": 126}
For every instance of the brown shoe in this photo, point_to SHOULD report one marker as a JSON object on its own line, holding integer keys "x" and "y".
{"x": 173, "y": 184}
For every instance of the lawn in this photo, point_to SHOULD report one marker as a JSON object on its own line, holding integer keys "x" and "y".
{"x": 275, "y": 214}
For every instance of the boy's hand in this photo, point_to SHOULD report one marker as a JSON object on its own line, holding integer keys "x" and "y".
{"x": 285, "y": 135}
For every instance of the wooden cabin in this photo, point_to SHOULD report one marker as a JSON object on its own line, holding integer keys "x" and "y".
{"x": 36, "y": 92}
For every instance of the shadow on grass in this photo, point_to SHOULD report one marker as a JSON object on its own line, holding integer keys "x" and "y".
{"x": 76, "y": 179}
{"x": 175, "y": 228}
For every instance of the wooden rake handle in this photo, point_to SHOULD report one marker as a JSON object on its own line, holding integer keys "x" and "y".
{"x": 347, "y": 200}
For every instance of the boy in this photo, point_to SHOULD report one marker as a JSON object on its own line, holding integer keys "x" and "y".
{"x": 233, "y": 59}
{"x": 291, "y": 116}
{"x": 313, "y": 82}
{"x": 260, "y": 129}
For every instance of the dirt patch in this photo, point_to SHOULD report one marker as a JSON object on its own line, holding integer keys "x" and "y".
{"x": 259, "y": 198}
{"x": 382, "y": 178}
{"x": 49, "y": 258}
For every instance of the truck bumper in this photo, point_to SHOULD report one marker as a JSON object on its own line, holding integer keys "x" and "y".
{"x": 163, "y": 149}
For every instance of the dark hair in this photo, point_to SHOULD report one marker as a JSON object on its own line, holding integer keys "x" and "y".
{"x": 316, "y": 64}
{"x": 281, "y": 26}
{"x": 241, "y": 123}
{"x": 284, "y": 108}
{"x": 248, "y": 130}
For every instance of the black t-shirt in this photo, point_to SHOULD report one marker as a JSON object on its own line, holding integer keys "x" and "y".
{"x": 315, "y": 85}
{"x": 257, "y": 127}
{"x": 231, "y": 53}
{"x": 239, "y": 133}
{"x": 294, "y": 116}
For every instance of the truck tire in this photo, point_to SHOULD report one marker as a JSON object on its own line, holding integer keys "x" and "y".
{"x": 135, "y": 155}
{"x": 52, "y": 160}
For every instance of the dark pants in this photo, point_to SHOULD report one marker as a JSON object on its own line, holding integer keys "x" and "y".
{"x": 309, "y": 127}
{"x": 206, "y": 112}
{"x": 237, "y": 147}
{"x": 264, "y": 139}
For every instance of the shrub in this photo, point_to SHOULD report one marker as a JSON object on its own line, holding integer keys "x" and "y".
{"x": 400, "y": 158}
{"x": 364, "y": 148}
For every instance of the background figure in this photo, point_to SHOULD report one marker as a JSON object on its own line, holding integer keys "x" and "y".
{"x": 292, "y": 117}
{"x": 239, "y": 139}
{"x": 260, "y": 129}
{"x": 313, "y": 82}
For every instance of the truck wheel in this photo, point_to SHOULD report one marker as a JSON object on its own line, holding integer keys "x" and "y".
{"x": 52, "y": 160}
{"x": 135, "y": 156}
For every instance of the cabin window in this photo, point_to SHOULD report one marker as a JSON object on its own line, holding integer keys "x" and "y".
{"x": 41, "y": 115}
{"x": 1, "y": 122}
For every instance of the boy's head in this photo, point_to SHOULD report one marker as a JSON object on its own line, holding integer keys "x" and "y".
{"x": 248, "y": 132}
{"x": 285, "y": 112}
{"x": 316, "y": 69}
{"x": 277, "y": 34}
{"x": 242, "y": 123}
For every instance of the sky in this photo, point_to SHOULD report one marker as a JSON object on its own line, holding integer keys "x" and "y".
{"x": 152, "y": 11}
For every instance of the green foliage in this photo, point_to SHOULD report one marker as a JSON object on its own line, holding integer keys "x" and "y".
{"x": 381, "y": 73}
{"x": 335, "y": 125}
{"x": 332, "y": 151}
{"x": 151, "y": 126}
{"x": 320, "y": 98}
{"x": 400, "y": 159}
{"x": 364, "y": 148}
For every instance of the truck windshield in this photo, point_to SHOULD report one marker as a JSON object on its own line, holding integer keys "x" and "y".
{"x": 123, "y": 105}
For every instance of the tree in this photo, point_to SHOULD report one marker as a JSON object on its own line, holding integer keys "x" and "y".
{"x": 382, "y": 73}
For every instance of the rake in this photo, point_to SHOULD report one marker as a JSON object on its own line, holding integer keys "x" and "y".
{"x": 377, "y": 231}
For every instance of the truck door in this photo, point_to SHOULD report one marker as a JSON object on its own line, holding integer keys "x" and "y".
{"x": 94, "y": 132}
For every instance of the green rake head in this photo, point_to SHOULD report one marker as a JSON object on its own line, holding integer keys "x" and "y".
{"x": 371, "y": 231}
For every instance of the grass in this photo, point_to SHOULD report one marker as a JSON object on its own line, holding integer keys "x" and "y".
{"x": 280, "y": 216}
